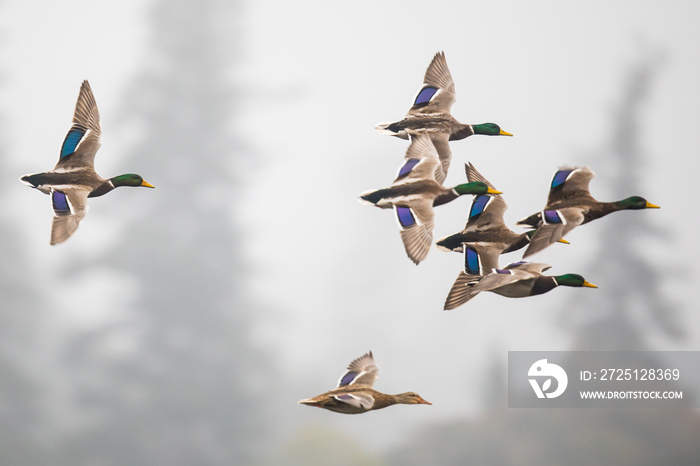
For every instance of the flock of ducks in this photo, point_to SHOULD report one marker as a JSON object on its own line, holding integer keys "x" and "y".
{"x": 417, "y": 189}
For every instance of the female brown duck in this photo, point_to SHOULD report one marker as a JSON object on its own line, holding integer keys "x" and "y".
{"x": 355, "y": 395}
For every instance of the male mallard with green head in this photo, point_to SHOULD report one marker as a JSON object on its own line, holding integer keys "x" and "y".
{"x": 517, "y": 280}
{"x": 74, "y": 179}
{"x": 569, "y": 205}
{"x": 354, "y": 393}
{"x": 430, "y": 112}
{"x": 415, "y": 192}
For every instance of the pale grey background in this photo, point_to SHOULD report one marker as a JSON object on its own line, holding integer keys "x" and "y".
{"x": 251, "y": 274}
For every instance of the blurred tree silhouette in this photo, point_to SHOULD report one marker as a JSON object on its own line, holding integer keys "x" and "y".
{"x": 189, "y": 390}
{"x": 631, "y": 279}
{"x": 22, "y": 393}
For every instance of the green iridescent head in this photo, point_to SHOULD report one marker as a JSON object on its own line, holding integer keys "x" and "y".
{"x": 573, "y": 279}
{"x": 476, "y": 187}
{"x": 489, "y": 129}
{"x": 636, "y": 203}
{"x": 130, "y": 179}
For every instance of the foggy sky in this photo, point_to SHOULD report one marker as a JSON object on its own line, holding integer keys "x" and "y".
{"x": 317, "y": 78}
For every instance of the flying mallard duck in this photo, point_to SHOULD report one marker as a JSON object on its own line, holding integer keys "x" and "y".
{"x": 415, "y": 192}
{"x": 485, "y": 224}
{"x": 517, "y": 280}
{"x": 569, "y": 205}
{"x": 354, "y": 393}
{"x": 431, "y": 113}
{"x": 73, "y": 179}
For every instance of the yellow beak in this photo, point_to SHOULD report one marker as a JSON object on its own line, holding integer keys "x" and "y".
{"x": 146, "y": 184}
{"x": 589, "y": 285}
{"x": 504, "y": 133}
{"x": 652, "y": 206}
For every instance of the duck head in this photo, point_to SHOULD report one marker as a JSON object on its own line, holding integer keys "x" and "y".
{"x": 130, "y": 179}
{"x": 475, "y": 187}
{"x": 573, "y": 279}
{"x": 410, "y": 398}
{"x": 489, "y": 129}
{"x": 636, "y": 203}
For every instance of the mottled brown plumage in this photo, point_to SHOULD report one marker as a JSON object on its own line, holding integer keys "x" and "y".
{"x": 355, "y": 395}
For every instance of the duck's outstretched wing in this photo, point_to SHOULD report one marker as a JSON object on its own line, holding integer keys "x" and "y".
{"x": 438, "y": 91}
{"x": 554, "y": 225}
{"x": 69, "y": 208}
{"x": 83, "y": 139}
{"x": 421, "y": 160}
{"x": 441, "y": 141}
{"x": 416, "y": 224}
{"x": 479, "y": 261}
{"x": 461, "y": 291}
{"x": 569, "y": 184}
{"x": 487, "y": 210}
{"x": 361, "y": 371}
{"x": 480, "y": 258}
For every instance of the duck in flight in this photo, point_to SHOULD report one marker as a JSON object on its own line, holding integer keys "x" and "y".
{"x": 569, "y": 205}
{"x": 354, "y": 393}
{"x": 430, "y": 112}
{"x": 73, "y": 180}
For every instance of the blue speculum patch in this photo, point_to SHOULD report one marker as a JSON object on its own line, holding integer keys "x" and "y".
{"x": 502, "y": 271}
{"x": 408, "y": 166}
{"x": 349, "y": 377}
{"x": 478, "y": 205}
{"x": 71, "y": 141}
{"x": 560, "y": 177}
{"x": 345, "y": 397}
{"x": 552, "y": 216}
{"x": 425, "y": 95}
{"x": 60, "y": 203}
{"x": 471, "y": 261}
{"x": 405, "y": 216}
